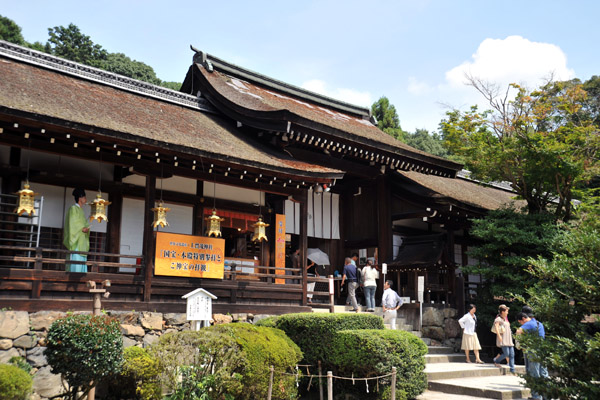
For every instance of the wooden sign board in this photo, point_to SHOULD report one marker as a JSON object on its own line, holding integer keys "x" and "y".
{"x": 189, "y": 256}
{"x": 280, "y": 247}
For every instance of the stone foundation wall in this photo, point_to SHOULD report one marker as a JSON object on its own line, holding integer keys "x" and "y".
{"x": 23, "y": 334}
{"x": 441, "y": 325}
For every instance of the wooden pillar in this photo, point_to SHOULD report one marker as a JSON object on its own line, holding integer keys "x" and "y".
{"x": 11, "y": 185}
{"x": 303, "y": 243}
{"x": 384, "y": 220}
{"x": 450, "y": 274}
{"x": 148, "y": 245}
{"x": 113, "y": 227}
{"x": 198, "y": 223}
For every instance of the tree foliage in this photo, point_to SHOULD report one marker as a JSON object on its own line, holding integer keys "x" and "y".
{"x": 10, "y": 31}
{"x": 387, "y": 118}
{"x": 120, "y": 64}
{"x": 506, "y": 238}
{"x": 566, "y": 299}
{"x": 70, "y": 43}
{"x": 430, "y": 143}
{"x": 84, "y": 349}
{"x": 542, "y": 142}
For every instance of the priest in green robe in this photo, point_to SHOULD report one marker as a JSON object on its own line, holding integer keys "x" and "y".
{"x": 77, "y": 233}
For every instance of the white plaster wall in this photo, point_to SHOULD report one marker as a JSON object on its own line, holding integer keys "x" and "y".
{"x": 180, "y": 220}
{"x": 234, "y": 193}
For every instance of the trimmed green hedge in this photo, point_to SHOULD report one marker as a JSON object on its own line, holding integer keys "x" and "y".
{"x": 364, "y": 353}
{"x": 15, "y": 384}
{"x": 228, "y": 361}
{"x": 262, "y": 347}
{"x": 314, "y": 332}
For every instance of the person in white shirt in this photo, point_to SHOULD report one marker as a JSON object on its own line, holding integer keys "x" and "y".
{"x": 390, "y": 302}
{"x": 469, "y": 339}
{"x": 369, "y": 279}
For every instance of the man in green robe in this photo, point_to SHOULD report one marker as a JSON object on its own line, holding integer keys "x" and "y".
{"x": 77, "y": 233}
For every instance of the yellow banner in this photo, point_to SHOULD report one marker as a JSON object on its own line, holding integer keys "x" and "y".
{"x": 189, "y": 256}
{"x": 280, "y": 247}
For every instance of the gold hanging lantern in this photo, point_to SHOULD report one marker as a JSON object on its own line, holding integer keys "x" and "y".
{"x": 214, "y": 224}
{"x": 160, "y": 215}
{"x": 98, "y": 206}
{"x": 259, "y": 231}
{"x": 26, "y": 200}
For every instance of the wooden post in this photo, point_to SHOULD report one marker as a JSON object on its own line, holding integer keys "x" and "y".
{"x": 270, "y": 383}
{"x": 384, "y": 219}
{"x": 36, "y": 284}
{"x": 393, "y": 388}
{"x": 303, "y": 242}
{"x": 329, "y": 385}
{"x": 148, "y": 246}
{"x": 331, "y": 297}
{"x": 320, "y": 383}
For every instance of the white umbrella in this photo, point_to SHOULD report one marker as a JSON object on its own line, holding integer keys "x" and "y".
{"x": 318, "y": 256}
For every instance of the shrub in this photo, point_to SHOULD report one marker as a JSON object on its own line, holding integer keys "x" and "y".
{"x": 269, "y": 322}
{"x": 260, "y": 348}
{"x": 15, "y": 384}
{"x": 365, "y": 353}
{"x": 138, "y": 378}
{"x": 83, "y": 349}
{"x": 201, "y": 356}
{"x": 21, "y": 363}
{"x": 313, "y": 333}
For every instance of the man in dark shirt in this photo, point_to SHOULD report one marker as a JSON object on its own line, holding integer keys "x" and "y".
{"x": 351, "y": 276}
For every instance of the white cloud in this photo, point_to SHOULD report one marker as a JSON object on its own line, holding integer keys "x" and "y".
{"x": 351, "y": 96}
{"x": 513, "y": 60}
{"x": 417, "y": 87}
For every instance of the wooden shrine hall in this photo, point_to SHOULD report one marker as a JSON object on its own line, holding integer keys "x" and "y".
{"x": 279, "y": 167}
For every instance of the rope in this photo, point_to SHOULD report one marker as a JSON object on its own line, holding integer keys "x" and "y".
{"x": 352, "y": 378}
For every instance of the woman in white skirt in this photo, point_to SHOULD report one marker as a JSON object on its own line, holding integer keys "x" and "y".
{"x": 469, "y": 339}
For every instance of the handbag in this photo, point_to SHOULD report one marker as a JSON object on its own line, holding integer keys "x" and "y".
{"x": 494, "y": 329}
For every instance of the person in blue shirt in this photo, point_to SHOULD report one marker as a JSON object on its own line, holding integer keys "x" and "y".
{"x": 531, "y": 326}
{"x": 350, "y": 274}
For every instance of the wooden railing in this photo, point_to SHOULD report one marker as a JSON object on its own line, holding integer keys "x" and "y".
{"x": 38, "y": 274}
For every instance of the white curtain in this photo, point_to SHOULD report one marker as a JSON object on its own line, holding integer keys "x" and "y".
{"x": 323, "y": 216}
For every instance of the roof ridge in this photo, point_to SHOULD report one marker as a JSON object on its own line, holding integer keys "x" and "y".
{"x": 211, "y": 63}
{"x": 107, "y": 78}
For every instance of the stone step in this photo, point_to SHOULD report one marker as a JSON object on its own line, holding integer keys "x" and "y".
{"x": 440, "y": 350}
{"x": 491, "y": 387}
{"x": 445, "y": 358}
{"x": 439, "y": 371}
{"x": 431, "y": 395}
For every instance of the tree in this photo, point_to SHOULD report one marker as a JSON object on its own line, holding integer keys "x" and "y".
{"x": 387, "y": 118}
{"x": 564, "y": 298}
{"x": 171, "y": 85}
{"x": 430, "y": 143}
{"x": 84, "y": 349}
{"x": 541, "y": 142}
{"x": 120, "y": 64}
{"x": 72, "y": 44}
{"x": 506, "y": 239}
{"x": 10, "y": 31}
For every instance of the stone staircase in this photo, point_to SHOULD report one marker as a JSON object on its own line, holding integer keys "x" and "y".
{"x": 401, "y": 323}
{"x": 448, "y": 375}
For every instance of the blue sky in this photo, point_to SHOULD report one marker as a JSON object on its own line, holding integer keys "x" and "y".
{"x": 414, "y": 52}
